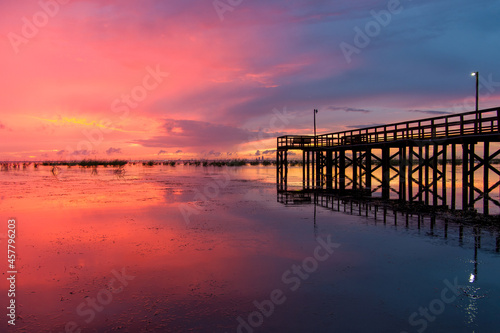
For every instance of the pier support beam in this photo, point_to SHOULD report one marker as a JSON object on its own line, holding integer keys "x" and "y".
{"x": 471, "y": 176}
{"x": 402, "y": 173}
{"x": 410, "y": 174}
{"x": 341, "y": 167}
{"x": 320, "y": 161}
{"x": 308, "y": 168}
{"x": 329, "y": 165}
{"x": 303, "y": 169}
{"x": 355, "y": 170}
{"x": 453, "y": 175}
{"x": 313, "y": 169}
{"x": 386, "y": 172}
{"x": 465, "y": 176}
{"x": 281, "y": 169}
{"x": 486, "y": 169}
{"x": 368, "y": 175}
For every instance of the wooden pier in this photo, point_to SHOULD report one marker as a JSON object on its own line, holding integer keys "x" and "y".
{"x": 414, "y": 156}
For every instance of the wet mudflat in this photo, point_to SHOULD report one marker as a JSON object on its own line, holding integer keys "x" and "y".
{"x": 175, "y": 249}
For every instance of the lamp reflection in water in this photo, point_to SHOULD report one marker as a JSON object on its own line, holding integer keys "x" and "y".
{"x": 471, "y": 291}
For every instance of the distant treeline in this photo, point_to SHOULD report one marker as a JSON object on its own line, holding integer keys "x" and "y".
{"x": 206, "y": 163}
{"x": 88, "y": 163}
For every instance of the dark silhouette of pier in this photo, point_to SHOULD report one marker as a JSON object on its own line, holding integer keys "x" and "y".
{"x": 414, "y": 154}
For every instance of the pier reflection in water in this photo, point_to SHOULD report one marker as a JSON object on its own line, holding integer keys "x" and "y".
{"x": 448, "y": 230}
{"x": 484, "y": 237}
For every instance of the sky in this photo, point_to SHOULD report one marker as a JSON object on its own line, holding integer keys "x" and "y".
{"x": 157, "y": 79}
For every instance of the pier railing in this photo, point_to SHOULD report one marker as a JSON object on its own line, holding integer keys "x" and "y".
{"x": 480, "y": 122}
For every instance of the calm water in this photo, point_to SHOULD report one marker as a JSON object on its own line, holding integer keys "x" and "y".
{"x": 176, "y": 249}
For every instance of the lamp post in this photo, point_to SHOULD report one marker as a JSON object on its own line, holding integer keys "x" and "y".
{"x": 315, "y": 111}
{"x": 476, "y": 74}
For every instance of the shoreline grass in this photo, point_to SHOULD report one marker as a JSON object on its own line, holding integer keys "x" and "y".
{"x": 91, "y": 163}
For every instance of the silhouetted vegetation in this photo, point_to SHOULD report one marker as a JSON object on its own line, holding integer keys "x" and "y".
{"x": 86, "y": 163}
{"x": 95, "y": 163}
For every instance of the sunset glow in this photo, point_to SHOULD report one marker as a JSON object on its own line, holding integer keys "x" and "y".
{"x": 164, "y": 80}
{"x": 250, "y": 166}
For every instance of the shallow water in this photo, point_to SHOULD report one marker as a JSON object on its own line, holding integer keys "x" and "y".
{"x": 175, "y": 249}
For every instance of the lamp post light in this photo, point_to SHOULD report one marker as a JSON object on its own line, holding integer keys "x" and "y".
{"x": 476, "y": 74}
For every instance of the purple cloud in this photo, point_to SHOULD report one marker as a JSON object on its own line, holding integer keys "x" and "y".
{"x": 112, "y": 151}
{"x": 191, "y": 133}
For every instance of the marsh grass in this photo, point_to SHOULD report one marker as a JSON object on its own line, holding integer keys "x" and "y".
{"x": 119, "y": 173}
{"x": 55, "y": 170}
{"x": 264, "y": 162}
{"x": 105, "y": 163}
{"x": 86, "y": 163}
